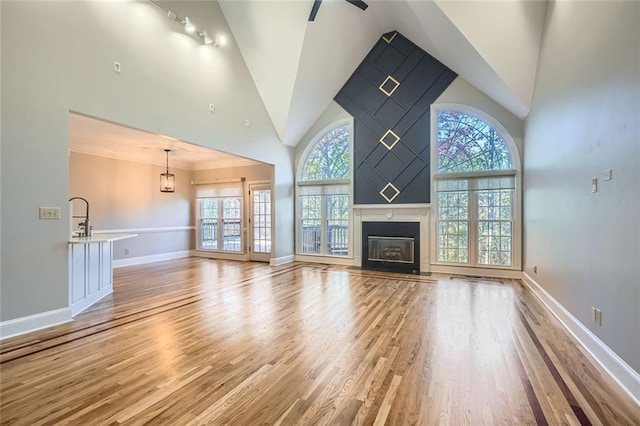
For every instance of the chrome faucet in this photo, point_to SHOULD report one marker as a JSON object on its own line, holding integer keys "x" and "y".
{"x": 84, "y": 225}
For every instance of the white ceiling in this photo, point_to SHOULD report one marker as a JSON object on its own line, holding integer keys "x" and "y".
{"x": 96, "y": 137}
{"x": 299, "y": 66}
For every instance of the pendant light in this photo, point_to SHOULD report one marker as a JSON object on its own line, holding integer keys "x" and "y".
{"x": 167, "y": 180}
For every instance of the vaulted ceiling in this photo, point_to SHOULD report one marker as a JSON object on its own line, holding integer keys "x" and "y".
{"x": 298, "y": 66}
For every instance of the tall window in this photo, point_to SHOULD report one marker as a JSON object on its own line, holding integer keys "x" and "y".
{"x": 323, "y": 196}
{"x": 474, "y": 192}
{"x": 219, "y": 217}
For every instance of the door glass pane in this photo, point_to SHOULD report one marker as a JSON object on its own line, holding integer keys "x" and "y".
{"x": 338, "y": 224}
{"x": 208, "y": 224}
{"x": 453, "y": 226}
{"x": 311, "y": 222}
{"x": 231, "y": 224}
{"x": 495, "y": 211}
{"x": 261, "y": 220}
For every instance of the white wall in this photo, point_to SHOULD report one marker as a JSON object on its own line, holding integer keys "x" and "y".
{"x": 259, "y": 172}
{"x": 506, "y": 33}
{"x": 57, "y": 57}
{"x": 331, "y": 115}
{"x": 125, "y": 195}
{"x": 584, "y": 119}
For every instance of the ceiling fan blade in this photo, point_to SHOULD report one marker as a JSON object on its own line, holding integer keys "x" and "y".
{"x": 359, "y": 3}
{"x": 314, "y": 10}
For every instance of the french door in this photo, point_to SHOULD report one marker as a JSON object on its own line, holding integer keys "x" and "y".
{"x": 260, "y": 222}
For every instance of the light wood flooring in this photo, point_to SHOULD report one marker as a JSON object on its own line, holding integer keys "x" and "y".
{"x": 201, "y": 341}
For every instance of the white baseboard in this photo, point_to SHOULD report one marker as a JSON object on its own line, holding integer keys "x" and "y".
{"x": 277, "y": 261}
{"x": 325, "y": 260}
{"x": 222, "y": 255}
{"x": 141, "y": 260}
{"x": 616, "y": 367}
{"x": 90, "y": 300}
{"x": 476, "y": 272}
{"x": 23, "y": 325}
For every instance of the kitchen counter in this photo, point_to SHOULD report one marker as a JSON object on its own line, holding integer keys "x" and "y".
{"x": 100, "y": 238}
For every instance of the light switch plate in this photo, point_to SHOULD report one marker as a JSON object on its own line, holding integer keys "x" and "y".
{"x": 607, "y": 174}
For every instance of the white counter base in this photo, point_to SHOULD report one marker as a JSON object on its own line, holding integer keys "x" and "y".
{"x": 91, "y": 269}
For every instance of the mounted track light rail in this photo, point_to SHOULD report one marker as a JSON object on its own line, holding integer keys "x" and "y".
{"x": 190, "y": 28}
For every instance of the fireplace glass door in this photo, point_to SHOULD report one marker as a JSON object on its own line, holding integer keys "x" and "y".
{"x": 391, "y": 249}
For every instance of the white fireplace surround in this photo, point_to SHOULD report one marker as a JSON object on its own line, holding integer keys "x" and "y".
{"x": 393, "y": 213}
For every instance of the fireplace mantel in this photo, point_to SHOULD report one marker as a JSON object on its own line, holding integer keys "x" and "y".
{"x": 394, "y": 213}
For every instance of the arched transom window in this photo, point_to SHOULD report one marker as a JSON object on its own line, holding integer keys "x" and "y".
{"x": 329, "y": 157}
{"x": 467, "y": 143}
{"x": 474, "y": 192}
{"x": 323, "y": 195}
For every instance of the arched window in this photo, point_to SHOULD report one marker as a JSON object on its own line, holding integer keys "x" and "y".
{"x": 475, "y": 191}
{"x": 323, "y": 195}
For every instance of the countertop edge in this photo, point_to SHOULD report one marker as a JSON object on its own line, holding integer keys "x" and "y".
{"x": 100, "y": 238}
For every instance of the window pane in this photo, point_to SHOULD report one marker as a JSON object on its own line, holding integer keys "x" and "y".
{"x": 453, "y": 226}
{"x": 262, "y": 220}
{"x": 329, "y": 158}
{"x": 338, "y": 225}
{"x": 310, "y": 224}
{"x": 208, "y": 224}
{"x": 231, "y": 224}
{"x": 494, "y": 227}
{"x": 467, "y": 143}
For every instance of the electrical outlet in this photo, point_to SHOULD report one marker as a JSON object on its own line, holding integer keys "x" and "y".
{"x": 212, "y": 108}
{"x": 598, "y": 316}
{"x": 246, "y": 123}
{"x": 126, "y": 251}
{"x": 116, "y": 66}
{"x": 607, "y": 174}
{"x": 49, "y": 213}
{"x": 594, "y": 185}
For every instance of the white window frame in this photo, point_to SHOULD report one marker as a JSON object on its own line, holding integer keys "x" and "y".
{"x": 220, "y": 225}
{"x": 251, "y": 254}
{"x": 298, "y": 202}
{"x": 241, "y": 193}
{"x": 516, "y": 172}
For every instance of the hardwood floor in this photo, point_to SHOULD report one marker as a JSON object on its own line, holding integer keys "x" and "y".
{"x": 200, "y": 341}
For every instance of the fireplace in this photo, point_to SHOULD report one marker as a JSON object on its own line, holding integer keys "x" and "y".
{"x": 391, "y": 246}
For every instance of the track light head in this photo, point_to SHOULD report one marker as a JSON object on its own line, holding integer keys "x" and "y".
{"x": 188, "y": 25}
{"x": 206, "y": 38}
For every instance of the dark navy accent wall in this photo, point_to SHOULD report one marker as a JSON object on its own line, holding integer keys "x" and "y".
{"x": 389, "y": 95}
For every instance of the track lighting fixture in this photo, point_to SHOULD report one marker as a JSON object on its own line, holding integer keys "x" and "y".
{"x": 190, "y": 28}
